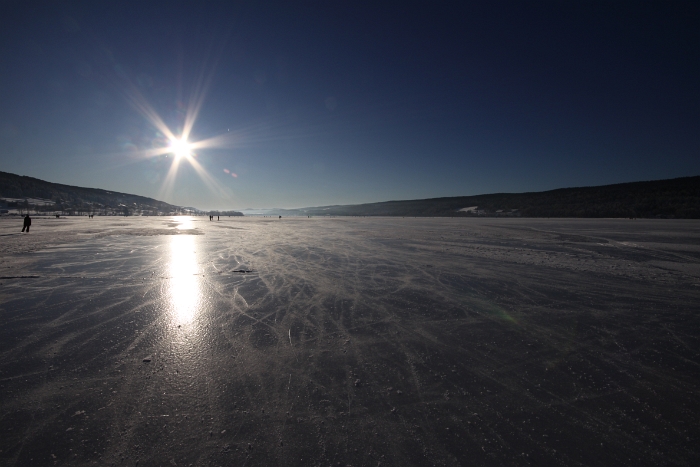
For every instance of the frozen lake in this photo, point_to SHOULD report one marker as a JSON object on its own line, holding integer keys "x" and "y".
{"x": 349, "y": 341}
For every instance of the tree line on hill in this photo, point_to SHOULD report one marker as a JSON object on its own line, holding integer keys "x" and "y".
{"x": 673, "y": 198}
{"x": 31, "y": 195}
{"x": 67, "y": 199}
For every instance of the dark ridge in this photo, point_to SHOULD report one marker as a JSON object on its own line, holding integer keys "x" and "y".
{"x": 677, "y": 198}
{"x": 79, "y": 200}
{"x": 20, "y": 277}
{"x": 673, "y": 198}
{"x": 76, "y": 198}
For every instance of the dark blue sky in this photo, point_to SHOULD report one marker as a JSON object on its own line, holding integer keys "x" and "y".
{"x": 345, "y": 102}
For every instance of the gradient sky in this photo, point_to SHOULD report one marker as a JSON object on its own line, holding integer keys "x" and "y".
{"x": 342, "y": 102}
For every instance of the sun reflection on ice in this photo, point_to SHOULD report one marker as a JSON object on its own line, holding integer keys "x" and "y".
{"x": 185, "y": 223}
{"x": 185, "y": 287}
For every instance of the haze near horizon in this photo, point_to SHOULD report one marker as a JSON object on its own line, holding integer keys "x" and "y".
{"x": 271, "y": 105}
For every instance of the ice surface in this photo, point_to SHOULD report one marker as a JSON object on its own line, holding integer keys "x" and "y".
{"x": 356, "y": 341}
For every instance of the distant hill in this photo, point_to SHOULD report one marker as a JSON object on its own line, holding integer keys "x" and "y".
{"x": 674, "y": 198}
{"x": 78, "y": 199}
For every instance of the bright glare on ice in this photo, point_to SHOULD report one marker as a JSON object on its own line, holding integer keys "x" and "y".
{"x": 185, "y": 292}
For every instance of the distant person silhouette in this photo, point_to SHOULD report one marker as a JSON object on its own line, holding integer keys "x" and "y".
{"x": 27, "y": 223}
{"x": 217, "y": 218}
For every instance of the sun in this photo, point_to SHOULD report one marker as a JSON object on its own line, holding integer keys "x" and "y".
{"x": 178, "y": 144}
{"x": 180, "y": 148}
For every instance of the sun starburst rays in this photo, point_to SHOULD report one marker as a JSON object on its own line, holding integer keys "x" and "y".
{"x": 179, "y": 145}
{"x": 196, "y": 102}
